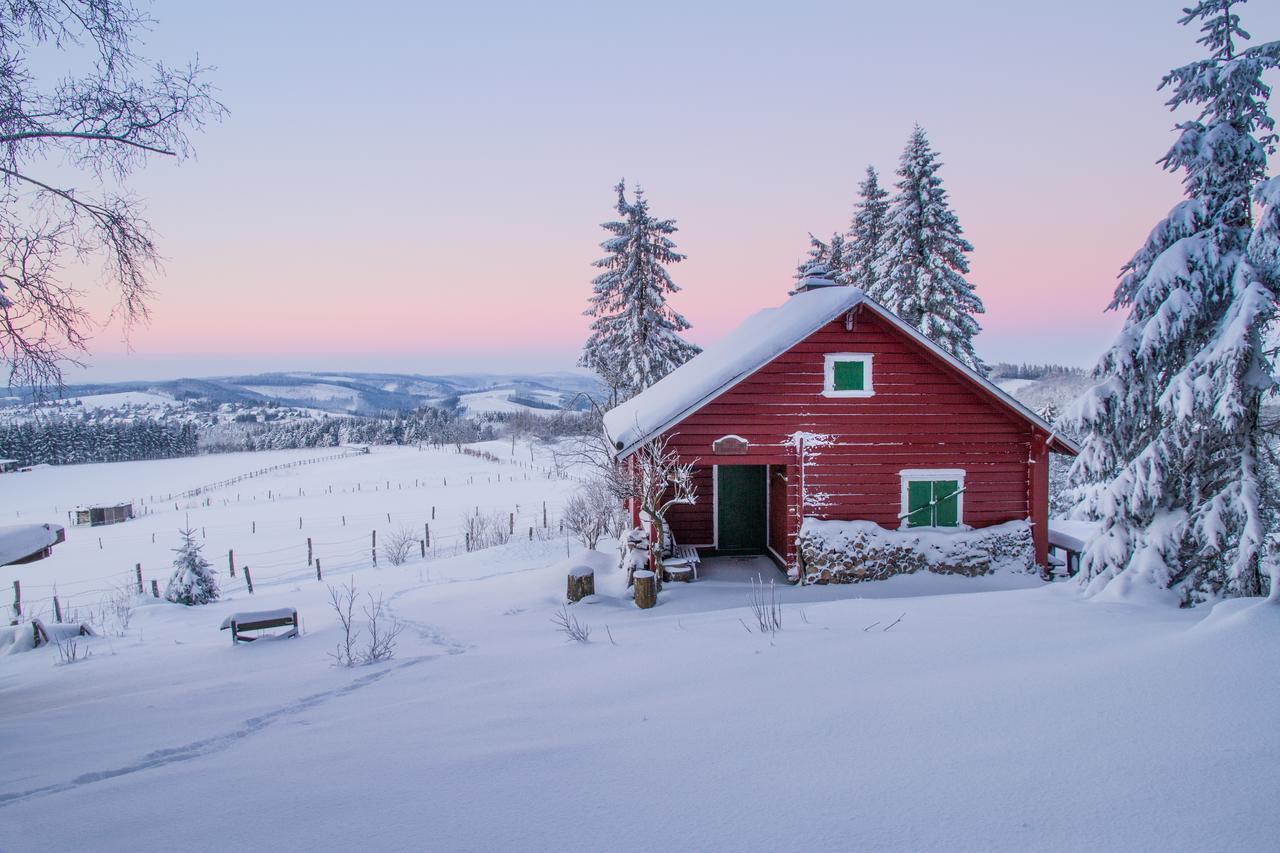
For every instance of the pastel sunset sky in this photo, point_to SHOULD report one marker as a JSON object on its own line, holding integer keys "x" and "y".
{"x": 420, "y": 188}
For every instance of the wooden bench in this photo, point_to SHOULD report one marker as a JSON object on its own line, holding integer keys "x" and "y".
{"x": 261, "y": 620}
{"x": 683, "y": 557}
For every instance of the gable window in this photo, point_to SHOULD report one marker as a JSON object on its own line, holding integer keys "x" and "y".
{"x": 932, "y": 497}
{"x": 847, "y": 374}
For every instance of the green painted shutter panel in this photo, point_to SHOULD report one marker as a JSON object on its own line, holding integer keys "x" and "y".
{"x": 919, "y": 498}
{"x": 946, "y": 503}
{"x": 849, "y": 375}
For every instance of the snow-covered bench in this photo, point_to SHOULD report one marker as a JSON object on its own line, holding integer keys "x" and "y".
{"x": 261, "y": 620}
{"x": 1070, "y": 537}
{"x": 682, "y": 556}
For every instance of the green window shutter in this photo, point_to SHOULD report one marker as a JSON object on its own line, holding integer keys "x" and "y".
{"x": 946, "y": 509}
{"x": 849, "y": 376}
{"x": 919, "y": 501}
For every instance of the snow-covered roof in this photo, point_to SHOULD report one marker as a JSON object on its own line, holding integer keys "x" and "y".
{"x": 761, "y": 338}
{"x": 19, "y": 541}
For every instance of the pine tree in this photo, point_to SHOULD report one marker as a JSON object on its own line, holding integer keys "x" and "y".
{"x": 866, "y": 235}
{"x": 192, "y": 581}
{"x": 635, "y": 336}
{"x": 1171, "y": 453}
{"x": 923, "y": 266}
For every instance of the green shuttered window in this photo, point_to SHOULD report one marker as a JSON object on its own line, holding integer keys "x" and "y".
{"x": 933, "y": 503}
{"x": 849, "y": 375}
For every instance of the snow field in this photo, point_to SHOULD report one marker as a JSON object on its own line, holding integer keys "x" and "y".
{"x": 258, "y": 519}
{"x": 999, "y": 713}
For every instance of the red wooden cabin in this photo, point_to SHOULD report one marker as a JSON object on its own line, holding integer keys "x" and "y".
{"x": 831, "y": 407}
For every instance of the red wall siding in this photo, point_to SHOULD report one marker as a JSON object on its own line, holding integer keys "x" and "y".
{"x": 923, "y": 415}
{"x": 693, "y": 525}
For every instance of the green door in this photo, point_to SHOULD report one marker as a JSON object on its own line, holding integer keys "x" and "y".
{"x": 740, "y": 508}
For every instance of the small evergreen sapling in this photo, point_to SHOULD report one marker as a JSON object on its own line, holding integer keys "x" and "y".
{"x": 193, "y": 581}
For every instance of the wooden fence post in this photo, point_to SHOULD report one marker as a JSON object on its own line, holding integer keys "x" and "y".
{"x": 248, "y": 579}
{"x": 426, "y": 532}
{"x": 423, "y": 543}
{"x": 155, "y": 588}
{"x": 544, "y": 513}
{"x": 511, "y": 524}
{"x": 319, "y": 577}
{"x": 138, "y": 571}
{"x": 308, "y": 550}
{"x": 57, "y": 610}
{"x": 231, "y": 561}
{"x": 17, "y": 600}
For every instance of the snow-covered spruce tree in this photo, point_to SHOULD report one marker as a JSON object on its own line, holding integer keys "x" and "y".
{"x": 923, "y": 266}
{"x": 635, "y": 336}
{"x": 192, "y": 582}
{"x": 1171, "y": 451}
{"x": 866, "y": 235}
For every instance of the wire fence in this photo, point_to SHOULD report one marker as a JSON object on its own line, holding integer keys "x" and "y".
{"x": 484, "y": 526}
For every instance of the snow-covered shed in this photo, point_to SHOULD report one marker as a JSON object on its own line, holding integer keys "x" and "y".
{"x": 831, "y": 407}
{"x": 8, "y": 466}
{"x": 101, "y": 514}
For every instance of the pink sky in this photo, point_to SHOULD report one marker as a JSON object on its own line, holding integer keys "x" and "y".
{"x": 438, "y": 208}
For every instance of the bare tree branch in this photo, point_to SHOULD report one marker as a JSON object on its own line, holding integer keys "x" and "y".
{"x": 105, "y": 123}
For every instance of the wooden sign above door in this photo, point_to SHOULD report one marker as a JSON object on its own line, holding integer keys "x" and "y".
{"x": 730, "y": 445}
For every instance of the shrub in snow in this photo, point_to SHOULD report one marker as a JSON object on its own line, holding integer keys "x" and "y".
{"x": 568, "y": 624}
{"x": 193, "y": 581}
{"x": 852, "y": 551}
{"x": 487, "y": 530}
{"x": 399, "y": 545}
{"x": 381, "y": 628}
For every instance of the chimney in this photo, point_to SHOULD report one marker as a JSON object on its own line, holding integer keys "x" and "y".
{"x": 813, "y": 283}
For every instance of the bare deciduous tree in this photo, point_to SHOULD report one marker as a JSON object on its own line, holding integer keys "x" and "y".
{"x": 658, "y": 480}
{"x": 67, "y": 146}
{"x": 592, "y": 512}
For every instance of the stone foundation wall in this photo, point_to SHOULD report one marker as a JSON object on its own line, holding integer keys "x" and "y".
{"x": 853, "y": 551}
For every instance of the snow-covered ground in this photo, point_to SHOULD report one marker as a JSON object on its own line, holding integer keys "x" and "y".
{"x": 499, "y": 400}
{"x": 125, "y": 398}
{"x": 922, "y": 713}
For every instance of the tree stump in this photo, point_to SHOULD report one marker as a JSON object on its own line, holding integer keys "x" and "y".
{"x": 680, "y": 573}
{"x": 582, "y": 582}
{"x": 646, "y": 589}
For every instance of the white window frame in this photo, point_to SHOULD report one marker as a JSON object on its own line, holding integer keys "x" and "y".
{"x": 910, "y": 475}
{"x": 829, "y": 374}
